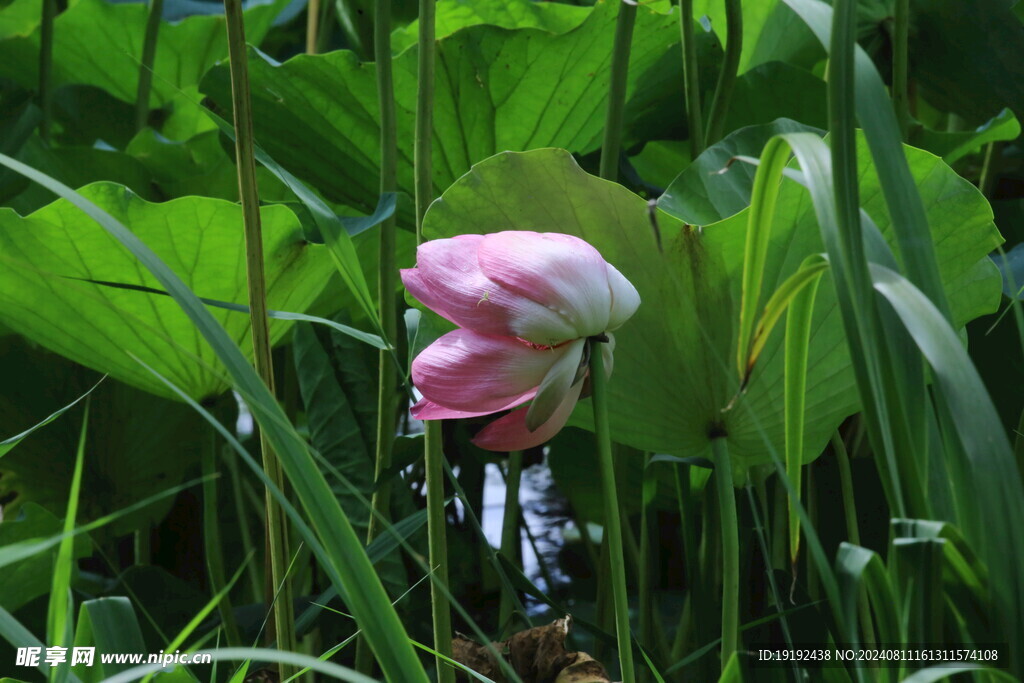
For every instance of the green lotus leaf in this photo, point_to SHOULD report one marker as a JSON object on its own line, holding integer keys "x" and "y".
{"x": 452, "y": 15}
{"x": 48, "y": 256}
{"x": 100, "y": 43}
{"x": 674, "y": 377}
{"x": 496, "y": 90}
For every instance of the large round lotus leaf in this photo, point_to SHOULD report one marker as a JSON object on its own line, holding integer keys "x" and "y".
{"x": 674, "y": 370}
{"x": 46, "y": 257}
{"x": 496, "y": 89}
{"x": 100, "y": 43}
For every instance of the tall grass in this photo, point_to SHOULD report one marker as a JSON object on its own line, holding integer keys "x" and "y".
{"x": 279, "y": 588}
{"x": 341, "y": 553}
{"x": 918, "y": 390}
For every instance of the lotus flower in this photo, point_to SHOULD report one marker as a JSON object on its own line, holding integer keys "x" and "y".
{"x": 526, "y": 304}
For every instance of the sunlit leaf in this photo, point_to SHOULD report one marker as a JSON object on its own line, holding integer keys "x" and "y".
{"x": 674, "y": 369}
{"x": 100, "y": 43}
{"x": 46, "y": 254}
{"x": 496, "y": 90}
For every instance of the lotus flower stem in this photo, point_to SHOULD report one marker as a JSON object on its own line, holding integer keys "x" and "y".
{"x": 387, "y": 276}
{"x": 900, "y": 91}
{"x": 313, "y": 27}
{"x": 612, "y": 144}
{"x": 987, "y": 175}
{"x": 688, "y": 523}
{"x": 730, "y": 548}
{"x": 238, "y": 494}
{"x": 759, "y": 527}
{"x": 691, "y": 79}
{"x": 645, "y": 564}
{"x": 604, "y": 615}
{"x": 156, "y": 10}
{"x": 612, "y": 522}
{"x": 433, "y": 442}
{"x": 423, "y": 143}
{"x": 213, "y": 547}
{"x": 437, "y": 542}
{"x": 510, "y": 538}
{"x": 143, "y": 545}
{"x": 813, "y": 580}
{"x": 846, "y": 482}
{"x": 282, "y": 621}
{"x": 727, "y": 76}
{"x": 852, "y": 531}
{"x": 46, "y": 66}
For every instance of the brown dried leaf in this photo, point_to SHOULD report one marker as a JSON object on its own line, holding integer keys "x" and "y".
{"x": 537, "y": 655}
{"x": 585, "y": 670}
{"x": 477, "y": 657}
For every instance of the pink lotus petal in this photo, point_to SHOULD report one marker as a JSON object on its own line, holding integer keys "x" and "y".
{"x": 625, "y": 298}
{"x": 562, "y": 272}
{"x": 470, "y": 372}
{"x": 448, "y": 280}
{"x": 556, "y": 385}
{"x": 509, "y": 433}
{"x": 428, "y": 410}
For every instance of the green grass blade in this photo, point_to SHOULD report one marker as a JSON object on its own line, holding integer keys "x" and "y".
{"x": 916, "y": 566}
{"x": 759, "y": 227}
{"x": 59, "y": 614}
{"x": 856, "y": 310}
{"x": 109, "y": 625}
{"x": 874, "y": 110}
{"x": 856, "y": 566}
{"x": 332, "y": 229}
{"x": 208, "y": 608}
{"x": 436, "y": 583}
{"x": 704, "y": 649}
{"x": 966, "y": 575}
{"x": 815, "y": 162}
{"x": 807, "y": 276}
{"x": 365, "y": 337}
{"x": 17, "y": 635}
{"x": 940, "y": 673}
{"x": 383, "y": 544}
{"x": 348, "y": 564}
{"x": 7, "y": 444}
{"x": 452, "y": 663}
{"x": 731, "y": 672}
{"x": 653, "y": 670}
{"x": 860, "y": 314}
{"x": 229, "y": 654}
{"x": 376, "y": 551}
{"x": 381, "y": 547}
{"x": 343, "y": 644}
{"x": 797, "y": 342}
{"x": 282, "y": 619}
{"x": 999, "y": 493}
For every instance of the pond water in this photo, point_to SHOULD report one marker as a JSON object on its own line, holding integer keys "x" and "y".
{"x": 545, "y": 515}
